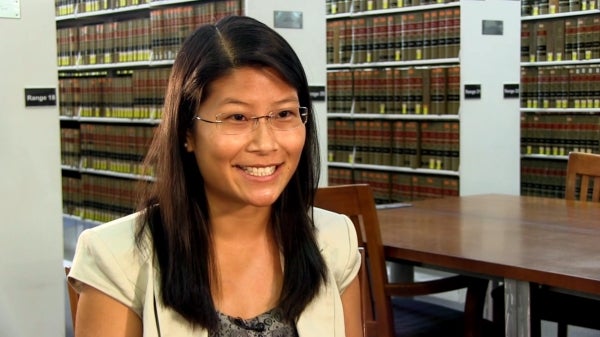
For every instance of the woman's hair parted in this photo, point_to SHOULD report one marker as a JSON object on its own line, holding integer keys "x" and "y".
{"x": 174, "y": 207}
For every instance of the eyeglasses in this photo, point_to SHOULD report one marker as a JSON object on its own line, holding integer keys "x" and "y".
{"x": 240, "y": 123}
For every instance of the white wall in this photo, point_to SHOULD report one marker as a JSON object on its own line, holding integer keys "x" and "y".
{"x": 31, "y": 246}
{"x": 309, "y": 43}
{"x": 490, "y": 126}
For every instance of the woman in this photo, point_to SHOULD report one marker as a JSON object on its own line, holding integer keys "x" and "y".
{"x": 226, "y": 242}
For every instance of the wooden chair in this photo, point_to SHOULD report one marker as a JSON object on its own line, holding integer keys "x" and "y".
{"x": 583, "y": 173}
{"x": 550, "y": 304}
{"x": 73, "y": 298}
{"x": 583, "y": 184}
{"x": 392, "y": 311}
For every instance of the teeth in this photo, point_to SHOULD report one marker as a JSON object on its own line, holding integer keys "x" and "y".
{"x": 259, "y": 171}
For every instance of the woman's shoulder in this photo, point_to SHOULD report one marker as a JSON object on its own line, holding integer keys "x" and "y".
{"x": 328, "y": 219}
{"x": 336, "y": 236}
{"x": 332, "y": 227}
{"x": 108, "y": 258}
{"x": 118, "y": 234}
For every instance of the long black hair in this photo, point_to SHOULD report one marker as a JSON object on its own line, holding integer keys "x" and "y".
{"x": 174, "y": 208}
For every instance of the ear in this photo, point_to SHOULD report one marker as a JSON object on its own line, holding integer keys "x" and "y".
{"x": 189, "y": 142}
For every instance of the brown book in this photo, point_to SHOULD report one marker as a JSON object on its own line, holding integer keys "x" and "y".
{"x": 427, "y": 155}
{"x": 453, "y": 90}
{"x": 438, "y": 90}
{"x": 436, "y": 31}
{"x": 359, "y": 52}
{"x": 525, "y": 41}
{"x": 380, "y": 39}
{"x": 455, "y": 146}
{"x": 541, "y": 40}
{"x": 404, "y": 90}
{"x": 596, "y": 89}
{"x": 332, "y": 44}
{"x": 398, "y": 36}
{"x": 416, "y": 35}
{"x": 453, "y": 37}
{"x": 331, "y": 140}
{"x": 359, "y": 91}
{"x": 595, "y": 37}
{"x": 558, "y": 35}
{"x": 346, "y": 91}
{"x": 450, "y": 187}
{"x": 386, "y": 91}
{"x": 361, "y": 142}
{"x": 401, "y": 187}
{"x": 427, "y": 34}
{"x": 411, "y": 143}
{"x": 416, "y": 90}
{"x": 332, "y": 92}
{"x": 396, "y": 106}
{"x": 398, "y": 143}
{"x": 544, "y": 87}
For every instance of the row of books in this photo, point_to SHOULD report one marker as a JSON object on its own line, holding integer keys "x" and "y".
{"x": 135, "y": 93}
{"x": 70, "y": 147}
{"x": 390, "y": 187}
{"x": 422, "y": 35}
{"x": 98, "y": 198}
{"x": 414, "y": 144}
{"x": 110, "y": 42}
{"x": 356, "y": 6}
{"x": 560, "y": 87}
{"x": 561, "y": 39}
{"x": 115, "y": 148}
{"x": 411, "y": 90}
{"x": 150, "y": 38}
{"x": 559, "y": 134}
{"x": 542, "y": 7}
{"x": 543, "y": 178}
{"x": 69, "y": 7}
{"x": 170, "y": 26}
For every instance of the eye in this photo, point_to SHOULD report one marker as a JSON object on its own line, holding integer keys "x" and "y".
{"x": 234, "y": 118}
{"x": 286, "y": 114}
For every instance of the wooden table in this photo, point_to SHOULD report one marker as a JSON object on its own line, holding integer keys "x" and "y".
{"x": 517, "y": 239}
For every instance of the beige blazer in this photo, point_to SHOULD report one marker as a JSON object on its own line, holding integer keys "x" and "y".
{"x": 107, "y": 258}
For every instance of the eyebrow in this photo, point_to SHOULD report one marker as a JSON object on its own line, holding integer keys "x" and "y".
{"x": 231, "y": 100}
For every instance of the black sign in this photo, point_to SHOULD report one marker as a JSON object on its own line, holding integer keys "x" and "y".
{"x": 317, "y": 92}
{"x": 511, "y": 91}
{"x": 40, "y": 97}
{"x": 472, "y": 91}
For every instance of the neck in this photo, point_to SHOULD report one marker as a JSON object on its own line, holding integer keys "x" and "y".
{"x": 241, "y": 225}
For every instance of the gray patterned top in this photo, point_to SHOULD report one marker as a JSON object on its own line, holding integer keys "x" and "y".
{"x": 269, "y": 324}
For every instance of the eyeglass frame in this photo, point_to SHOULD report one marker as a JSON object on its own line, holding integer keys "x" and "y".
{"x": 256, "y": 119}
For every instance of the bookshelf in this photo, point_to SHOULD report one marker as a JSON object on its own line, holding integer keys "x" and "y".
{"x": 560, "y": 102}
{"x": 114, "y": 59}
{"x": 399, "y": 112}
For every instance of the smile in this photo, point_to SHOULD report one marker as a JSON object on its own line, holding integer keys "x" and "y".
{"x": 259, "y": 171}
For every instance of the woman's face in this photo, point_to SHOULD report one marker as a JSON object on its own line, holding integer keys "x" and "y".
{"x": 252, "y": 168}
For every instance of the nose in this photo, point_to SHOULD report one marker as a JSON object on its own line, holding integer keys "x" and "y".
{"x": 263, "y": 138}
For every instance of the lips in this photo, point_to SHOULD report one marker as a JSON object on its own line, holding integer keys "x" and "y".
{"x": 259, "y": 171}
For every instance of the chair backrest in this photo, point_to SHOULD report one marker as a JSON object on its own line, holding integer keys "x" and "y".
{"x": 358, "y": 203}
{"x": 583, "y": 173}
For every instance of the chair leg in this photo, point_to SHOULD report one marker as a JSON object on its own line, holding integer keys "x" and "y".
{"x": 562, "y": 330}
{"x": 536, "y": 327}
{"x": 498, "y": 311}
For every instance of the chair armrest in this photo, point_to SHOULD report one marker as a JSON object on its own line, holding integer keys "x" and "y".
{"x": 429, "y": 287}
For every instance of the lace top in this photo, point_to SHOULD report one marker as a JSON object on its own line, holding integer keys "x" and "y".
{"x": 269, "y": 324}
